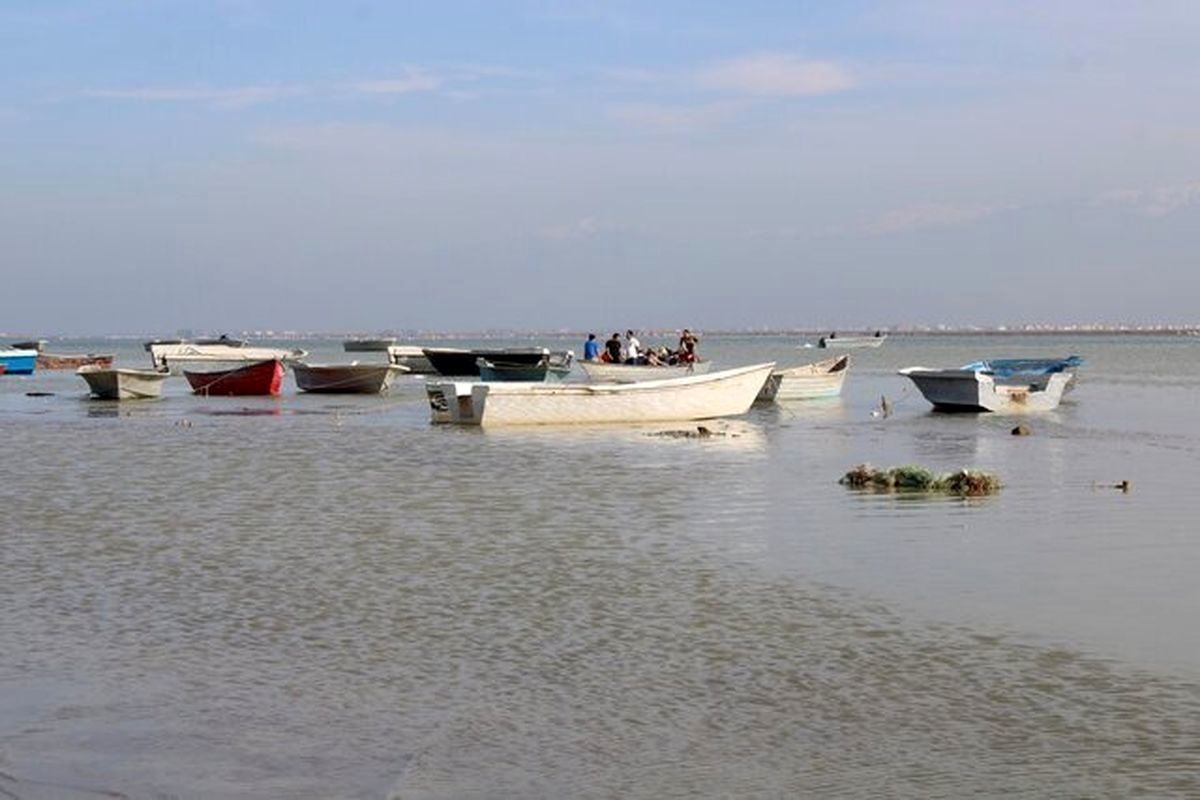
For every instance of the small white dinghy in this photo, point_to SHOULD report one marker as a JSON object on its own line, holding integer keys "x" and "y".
{"x": 112, "y": 383}
{"x": 974, "y": 390}
{"x": 719, "y": 394}
{"x": 807, "y": 382}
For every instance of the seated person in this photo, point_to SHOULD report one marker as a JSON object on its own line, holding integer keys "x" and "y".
{"x": 612, "y": 349}
{"x": 591, "y": 348}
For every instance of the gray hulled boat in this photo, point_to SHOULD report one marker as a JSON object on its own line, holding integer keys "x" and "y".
{"x": 975, "y": 390}
{"x": 110, "y": 383}
{"x": 346, "y": 378}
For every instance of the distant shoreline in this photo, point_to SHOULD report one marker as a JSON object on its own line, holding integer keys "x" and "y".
{"x": 420, "y": 335}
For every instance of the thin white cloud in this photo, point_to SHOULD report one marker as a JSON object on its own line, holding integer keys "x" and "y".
{"x": 414, "y": 80}
{"x": 235, "y": 97}
{"x": 1155, "y": 202}
{"x": 931, "y": 215}
{"x": 776, "y": 75}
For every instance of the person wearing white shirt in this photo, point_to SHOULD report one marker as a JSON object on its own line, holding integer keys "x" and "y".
{"x": 633, "y": 349}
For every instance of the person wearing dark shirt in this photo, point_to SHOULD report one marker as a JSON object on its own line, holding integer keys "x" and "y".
{"x": 612, "y": 348}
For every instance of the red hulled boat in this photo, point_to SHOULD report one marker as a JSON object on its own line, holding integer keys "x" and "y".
{"x": 259, "y": 378}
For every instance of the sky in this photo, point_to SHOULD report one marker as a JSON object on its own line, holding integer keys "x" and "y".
{"x": 464, "y": 166}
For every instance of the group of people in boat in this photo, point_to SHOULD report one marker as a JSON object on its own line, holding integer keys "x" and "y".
{"x": 630, "y": 350}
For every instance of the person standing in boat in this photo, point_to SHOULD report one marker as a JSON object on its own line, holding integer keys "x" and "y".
{"x": 687, "y": 347}
{"x": 633, "y": 349}
{"x": 612, "y": 349}
{"x": 591, "y": 348}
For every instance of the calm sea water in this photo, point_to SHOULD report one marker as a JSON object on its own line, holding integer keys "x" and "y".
{"x": 329, "y": 597}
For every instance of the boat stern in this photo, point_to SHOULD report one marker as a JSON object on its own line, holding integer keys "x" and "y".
{"x": 456, "y": 402}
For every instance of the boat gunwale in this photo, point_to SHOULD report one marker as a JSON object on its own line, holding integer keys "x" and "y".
{"x": 585, "y": 389}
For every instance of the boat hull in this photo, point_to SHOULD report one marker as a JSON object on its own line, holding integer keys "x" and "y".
{"x": 367, "y": 345}
{"x": 411, "y": 357}
{"x": 604, "y": 372}
{"x": 971, "y": 390}
{"x": 454, "y": 362}
{"x": 72, "y": 360}
{"x": 262, "y": 378}
{"x": 720, "y": 394}
{"x": 538, "y": 373}
{"x": 346, "y": 378}
{"x": 178, "y": 356}
{"x": 845, "y": 342}
{"x": 106, "y": 383}
{"x": 807, "y": 382}
{"x": 18, "y": 362}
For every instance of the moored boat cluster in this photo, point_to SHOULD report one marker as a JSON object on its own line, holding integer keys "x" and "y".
{"x": 534, "y": 386}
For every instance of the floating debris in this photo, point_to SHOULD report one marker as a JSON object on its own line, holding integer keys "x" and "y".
{"x": 913, "y": 478}
{"x": 701, "y": 432}
{"x": 39, "y": 394}
{"x": 1022, "y": 430}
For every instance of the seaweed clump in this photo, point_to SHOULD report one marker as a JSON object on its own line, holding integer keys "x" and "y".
{"x": 914, "y": 478}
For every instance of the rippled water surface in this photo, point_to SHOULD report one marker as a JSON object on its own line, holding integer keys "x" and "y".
{"x": 329, "y": 597}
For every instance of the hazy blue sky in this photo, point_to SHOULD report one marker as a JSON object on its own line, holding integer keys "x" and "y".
{"x": 465, "y": 165}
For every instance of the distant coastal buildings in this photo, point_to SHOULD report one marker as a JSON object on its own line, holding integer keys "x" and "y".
{"x": 1023, "y": 329}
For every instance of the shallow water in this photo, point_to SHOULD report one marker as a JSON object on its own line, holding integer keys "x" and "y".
{"x": 328, "y": 597}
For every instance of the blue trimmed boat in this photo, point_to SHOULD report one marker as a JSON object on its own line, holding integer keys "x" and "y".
{"x": 1015, "y": 367}
{"x": 18, "y": 362}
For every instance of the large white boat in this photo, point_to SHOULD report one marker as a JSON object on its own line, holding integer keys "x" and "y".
{"x": 976, "y": 390}
{"x": 110, "y": 383}
{"x": 822, "y": 379}
{"x": 606, "y": 372}
{"x": 177, "y": 354}
{"x": 719, "y": 394}
{"x": 841, "y": 342}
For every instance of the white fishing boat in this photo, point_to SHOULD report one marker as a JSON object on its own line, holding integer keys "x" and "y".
{"x": 976, "y": 390}
{"x": 719, "y": 394}
{"x": 111, "y": 383}
{"x": 176, "y": 355}
{"x": 378, "y": 345}
{"x": 843, "y": 342}
{"x": 606, "y": 372}
{"x": 822, "y": 379}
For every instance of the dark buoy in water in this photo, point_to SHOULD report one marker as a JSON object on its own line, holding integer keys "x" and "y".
{"x": 1022, "y": 430}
